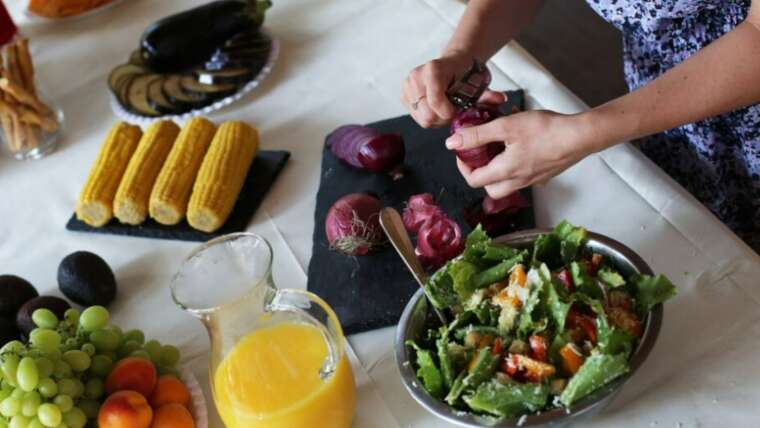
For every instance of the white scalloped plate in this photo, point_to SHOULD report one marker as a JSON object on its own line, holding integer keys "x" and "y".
{"x": 217, "y": 105}
{"x": 199, "y": 411}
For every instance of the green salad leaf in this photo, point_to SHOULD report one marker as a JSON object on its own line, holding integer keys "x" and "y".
{"x": 475, "y": 245}
{"x": 498, "y": 252}
{"x": 613, "y": 340}
{"x": 462, "y": 274}
{"x": 611, "y": 277}
{"x": 525, "y": 322}
{"x": 553, "y": 297}
{"x": 497, "y": 273}
{"x": 598, "y": 370}
{"x": 572, "y": 240}
{"x": 584, "y": 283}
{"x": 651, "y": 290}
{"x": 440, "y": 289}
{"x": 547, "y": 249}
{"x": 510, "y": 400}
{"x": 442, "y": 348}
{"x": 428, "y": 371}
{"x": 483, "y": 369}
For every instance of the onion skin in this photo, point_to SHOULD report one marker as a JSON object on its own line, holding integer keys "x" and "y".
{"x": 352, "y": 225}
{"x": 366, "y": 148}
{"x": 509, "y": 204}
{"x": 439, "y": 240}
{"x": 419, "y": 209}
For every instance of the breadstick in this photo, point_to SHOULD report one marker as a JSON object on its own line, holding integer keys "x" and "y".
{"x": 21, "y": 95}
{"x": 31, "y": 117}
{"x": 25, "y": 64}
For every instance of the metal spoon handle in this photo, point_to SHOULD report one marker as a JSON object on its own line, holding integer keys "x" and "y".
{"x": 393, "y": 225}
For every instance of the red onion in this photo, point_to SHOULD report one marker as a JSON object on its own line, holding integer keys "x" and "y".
{"x": 439, "y": 240}
{"x": 366, "y": 148}
{"x": 418, "y": 210}
{"x": 508, "y": 205}
{"x": 474, "y": 116}
{"x": 353, "y": 224}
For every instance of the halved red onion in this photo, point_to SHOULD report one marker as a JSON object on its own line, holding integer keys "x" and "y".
{"x": 418, "y": 210}
{"x": 366, "y": 148}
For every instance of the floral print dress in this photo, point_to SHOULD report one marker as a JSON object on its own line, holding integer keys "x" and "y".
{"x": 716, "y": 159}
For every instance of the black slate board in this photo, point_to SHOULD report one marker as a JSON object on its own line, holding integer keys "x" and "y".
{"x": 370, "y": 292}
{"x": 262, "y": 174}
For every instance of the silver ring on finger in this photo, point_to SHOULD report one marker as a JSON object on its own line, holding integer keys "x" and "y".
{"x": 417, "y": 103}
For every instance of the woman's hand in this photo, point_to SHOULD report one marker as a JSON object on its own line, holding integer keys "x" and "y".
{"x": 539, "y": 145}
{"x": 424, "y": 90}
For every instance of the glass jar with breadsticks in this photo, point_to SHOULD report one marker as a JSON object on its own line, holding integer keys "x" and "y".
{"x": 30, "y": 126}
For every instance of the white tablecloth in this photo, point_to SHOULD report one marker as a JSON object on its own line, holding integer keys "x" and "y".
{"x": 342, "y": 61}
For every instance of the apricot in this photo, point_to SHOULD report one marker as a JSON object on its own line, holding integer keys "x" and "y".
{"x": 169, "y": 389}
{"x": 125, "y": 409}
{"x": 173, "y": 415}
{"x": 134, "y": 374}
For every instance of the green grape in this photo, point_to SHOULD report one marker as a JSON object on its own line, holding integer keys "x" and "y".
{"x": 18, "y": 393}
{"x": 10, "y": 407}
{"x": 163, "y": 370}
{"x": 94, "y": 318}
{"x": 48, "y": 388}
{"x": 117, "y": 330}
{"x": 30, "y": 403}
{"x": 44, "y": 366}
{"x": 89, "y": 349}
{"x": 27, "y": 375}
{"x": 94, "y": 389}
{"x": 136, "y": 335}
{"x": 44, "y": 318}
{"x": 62, "y": 370}
{"x": 45, "y": 340}
{"x": 69, "y": 387}
{"x": 72, "y": 316}
{"x": 101, "y": 365}
{"x": 90, "y": 408}
{"x": 153, "y": 348}
{"x": 9, "y": 368}
{"x": 112, "y": 355}
{"x": 55, "y": 355}
{"x": 129, "y": 347}
{"x": 70, "y": 343}
{"x": 12, "y": 347}
{"x": 169, "y": 356}
{"x": 78, "y": 360}
{"x": 4, "y": 394}
{"x": 4, "y": 424}
{"x": 64, "y": 402}
{"x": 141, "y": 354}
{"x": 35, "y": 423}
{"x": 50, "y": 415}
{"x": 19, "y": 421}
{"x": 105, "y": 340}
{"x": 75, "y": 418}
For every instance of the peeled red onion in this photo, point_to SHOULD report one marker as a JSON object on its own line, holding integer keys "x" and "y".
{"x": 439, "y": 240}
{"x": 507, "y": 205}
{"x": 353, "y": 224}
{"x": 419, "y": 209}
{"x": 366, "y": 148}
{"x": 474, "y": 116}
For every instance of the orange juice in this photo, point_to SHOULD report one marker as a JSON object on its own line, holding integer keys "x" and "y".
{"x": 271, "y": 379}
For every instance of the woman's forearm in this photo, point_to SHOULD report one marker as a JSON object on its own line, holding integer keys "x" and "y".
{"x": 722, "y": 77}
{"x": 487, "y": 25}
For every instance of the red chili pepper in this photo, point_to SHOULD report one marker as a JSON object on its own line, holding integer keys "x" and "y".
{"x": 497, "y": 347}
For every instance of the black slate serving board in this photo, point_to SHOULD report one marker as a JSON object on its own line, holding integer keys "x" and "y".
{"x": 263, "y": 172}
{"x": 369, "y": 292}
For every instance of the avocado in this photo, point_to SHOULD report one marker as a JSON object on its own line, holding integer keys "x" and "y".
{"x": 14, "y": 292}
{"x": 24, "y": 316}
{"x": 85, "y": 278}
{"x": 8, "y": 331}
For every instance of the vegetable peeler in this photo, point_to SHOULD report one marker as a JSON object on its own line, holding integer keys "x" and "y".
{"x": 465, "y": 92}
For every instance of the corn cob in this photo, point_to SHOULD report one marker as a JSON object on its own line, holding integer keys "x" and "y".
{"x": 131, "y": 203}
{"x": 222, "y": 175}
{"x": 168, "y": 200}
{"x": 95, "y": 205}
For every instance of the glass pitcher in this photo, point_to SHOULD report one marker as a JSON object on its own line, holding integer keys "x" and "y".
{"x": 277, "y": 357}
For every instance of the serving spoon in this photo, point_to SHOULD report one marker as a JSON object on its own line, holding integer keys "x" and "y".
{"x": 393, "y": 225}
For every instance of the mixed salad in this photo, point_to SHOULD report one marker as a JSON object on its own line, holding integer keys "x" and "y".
{"x": 532, "y": 329}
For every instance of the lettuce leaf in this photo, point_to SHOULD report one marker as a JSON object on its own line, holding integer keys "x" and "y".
{"x": 584, "y": 283}
{"x": 598, "y": 370}
{"x": 462, "y": 274}
{"x": 440, "y": 288}
{"x": 510, "y": 400}
{"x": 442, "y": 348}
{"x": 427, "y": 371}
{"x": 483, "y": 369}
{"x": 572, "y": 240}
{"x": 557, "y": 305}
{"x": 611, "y": 277}
{"x": 651, "y": 290}
{"x": 610, "y": 339}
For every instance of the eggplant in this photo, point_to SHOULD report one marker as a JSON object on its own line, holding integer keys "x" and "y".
{"x": 185, "y": 40}
{"x": 158, "y": 100}
{"x": 172, "y": 90}
{"x": 233, "y": 75}
{"x": 137, "y": 95}
{"x": 191, "y": 86}
{"x": 120, "y": 74}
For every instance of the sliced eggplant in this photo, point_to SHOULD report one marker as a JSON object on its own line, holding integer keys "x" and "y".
{"x": 173, "y": 92}
{"x": 137, "y": 95}
{"x": 233, "y": 75}
{"x": 123, "y": 94}
{"x": 252, "y": 41}
{"x": 119, "y": 75}
{"x": 158, "y": 100}
{"x": 191, "y": 86}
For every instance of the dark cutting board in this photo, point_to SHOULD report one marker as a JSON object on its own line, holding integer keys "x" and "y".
{"x": 261, "y": 176}
{"x": 369, "y": 292}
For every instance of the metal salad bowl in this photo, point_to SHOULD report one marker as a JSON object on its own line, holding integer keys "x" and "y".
{"x": 417, "y": 317}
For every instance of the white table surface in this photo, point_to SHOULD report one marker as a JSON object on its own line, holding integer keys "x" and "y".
{"x": 343, "y": 61}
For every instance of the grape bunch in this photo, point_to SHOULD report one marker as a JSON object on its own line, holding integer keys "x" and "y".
{"x": 57, "y": 379}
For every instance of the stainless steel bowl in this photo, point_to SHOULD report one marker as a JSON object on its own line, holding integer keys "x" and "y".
{"x": 416, "y": 316}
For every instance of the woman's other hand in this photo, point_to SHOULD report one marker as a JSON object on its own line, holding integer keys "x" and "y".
{"x": 539, "y": 146}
